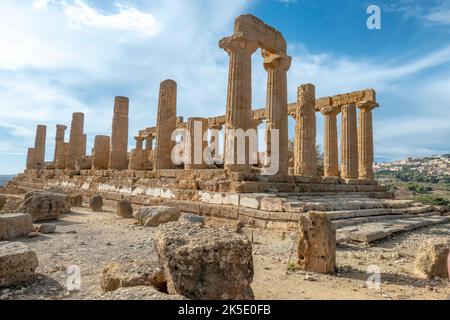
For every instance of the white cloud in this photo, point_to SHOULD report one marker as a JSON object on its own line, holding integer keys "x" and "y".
{"x": 127, "y": 19}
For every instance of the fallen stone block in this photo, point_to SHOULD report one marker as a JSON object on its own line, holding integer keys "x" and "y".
{"x": 45, "y": 228}
{"x": 11, "y": 205}
{"x": 316, "y": 243}
{"x": 124, "y": 209}
{"x": 2, "y": 201}
{"x": 154, "y": 216}
{"x": 139, "y": 293}
{"x": 44, "y": 205}
{"x": 137, "y": 273}
{"x": 205, "y": 263}
{"x": 431, "y": 260}
{"x": 96, "y": 203}
{"x": 14, "y": 225}
{"x": 17, "y": 263}
{"x": 191, "y": 218}
{"x": 76, "y": 200}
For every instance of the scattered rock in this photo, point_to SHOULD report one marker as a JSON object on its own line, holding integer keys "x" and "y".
{"x": 45, "y": 228}
{"x": 431, "y": 259}
{"x": 76, "y": 200}
{"x": 124, "y": 209}
{"x": 96, "y": 203}
{"x": 154, "y": 216}
{"x": 138, "y": 273}
{"x": 17, "y": 263}
{"x": 11, "y": 205}
{"x": 192, "y": 218}
{"x": 316, "y": 243}
{"x": 205, "y": 263}
{"x": 139, "y": 293}
{"x": 45, "y": 205}
{"x": 14, "y": 225}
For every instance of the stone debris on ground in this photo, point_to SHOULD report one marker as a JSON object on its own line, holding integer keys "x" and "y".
{"x": 96, "y": 203}
{"x": 154, "y": 216}
{"x": 17, "y": 263}
{"x": 45, "y": 205}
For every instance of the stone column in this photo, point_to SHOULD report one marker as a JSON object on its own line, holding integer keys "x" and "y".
{"x": 277, "y": 66}
{"x": 76, "y": 142}
{"x": 84, "y": 145}
{"x": 149, "y": 142}
{"x": 239, "y": 97}
{"x": 365, "y": 141}
{"x": 39, "y": 147}
{"x": 100, "y": 156}
{"x": 349, "y": 142}
{"x": 305, "y": 156}
{"x": 138, "y": 159}
{"x": 330, "y": 144}
{"x": 30, "y": 159}
{"x": 195, "y": 144}
{"x": 166, "y": 125}
{"x": 58, "y": 158}
{"x": 118, "y": 158}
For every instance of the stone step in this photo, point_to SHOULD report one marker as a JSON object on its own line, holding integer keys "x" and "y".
{"x": 342, "y": 204}
{"x": 373, "y": 231}
{"x": 349, "y": 214}
{"x": 341, "y": 223}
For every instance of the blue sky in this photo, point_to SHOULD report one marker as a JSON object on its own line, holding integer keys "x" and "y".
{"x": 58, "y": 57}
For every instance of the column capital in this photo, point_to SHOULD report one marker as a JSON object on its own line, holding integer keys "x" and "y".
{"x": 238, "y": 42}
{"x": 330, "y": 110}
{"x": 216, "y": 127}
{"x": 273, "y": 61}
{"x": 367, "y": 106}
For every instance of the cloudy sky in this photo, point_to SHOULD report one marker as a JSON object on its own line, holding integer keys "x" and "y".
{"x": 62, "y": 56}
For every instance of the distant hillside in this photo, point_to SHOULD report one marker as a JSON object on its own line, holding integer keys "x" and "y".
{"x": 4, "y": 179}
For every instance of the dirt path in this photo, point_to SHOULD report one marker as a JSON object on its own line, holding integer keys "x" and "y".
{"x": 90, "y": 240}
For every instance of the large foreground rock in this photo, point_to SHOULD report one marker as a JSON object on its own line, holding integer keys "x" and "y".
{"x": 431, "y": 259}
{"x": 316, "y": 243}
{"x": 17, "y": 263}
{"x": 137, "y": 273}
{"x": 204, "y": 263}
{"x": 44, "y": 205}
{"x": 139, "y": 293}
{"x": 14, "y": 225}
{"x": 154, "y": 216}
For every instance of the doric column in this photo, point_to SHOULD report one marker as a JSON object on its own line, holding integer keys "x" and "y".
{"x": 277, "y": 66}
{"x": 30, "y": 158}
{"x": 84, "y": 145}
{"x": 349, "y": 142}
{"x": 100, "y": 156}
{"x": 195, "y": 145}
{"x": 213, "y": 144}
{"x": 330, "y": 143}
{"x": 39, "y": 146}
{"x": 365, "y": 140}
{"x": 305, "y": 156}
{"x": 239, "y": 98}
{"x": 166, "y": 125}
{"x": 149, "y": 142}
{"x": 75, "y": 149}
{"x": 59, "y": 157}
{"x": 118, "y": 158}
{"x": 138, "y": 160}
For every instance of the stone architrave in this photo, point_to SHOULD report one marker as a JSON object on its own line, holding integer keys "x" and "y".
{"x": 305, "y": 156}
{"x": 75, "y": 150}
{"x": 349, "y": 142}
{"x": 118, "y": 158}
{"x": 330, "y": 144}
{"x": 365, "y": 141}
{"x": 100, "y": 157}
{"x": 166, "y": 125}
{"x": 277, "y": 66}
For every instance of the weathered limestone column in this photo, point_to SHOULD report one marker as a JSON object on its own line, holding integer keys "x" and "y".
{"x": 166, "y": 125}
{"x": 195, "y": 144}
{"x": 330, "y": 144}
{"x": 305, "y": 156}
{"x": 75, "y": 150}
{"x": 365, "y": 140}
{"x": 58, "y": 158}
{"x": 39, "y": 146}
{"x": 149, "y": 142}
{"x": 239, "y": 97}
{"x": 349, "y": 142}
{"x": 138, "y": 160}
{"x": 100, "y": 156}
{"x": 30, "y": 158}
{"x": 277, "y": 66}
{"x": 118, "y": 159}
{"x": 84, "y": 145}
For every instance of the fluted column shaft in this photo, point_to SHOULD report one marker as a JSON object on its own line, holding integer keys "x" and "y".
{"x": 39, "y": 146}
{"x": 365, "y": 141}
{"x": 76, "y": 140}
{"x": 330, "y": 156}
{"x": 349, "y": 142}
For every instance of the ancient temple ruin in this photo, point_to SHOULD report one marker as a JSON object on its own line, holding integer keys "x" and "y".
{"x": 223, "y": 187}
